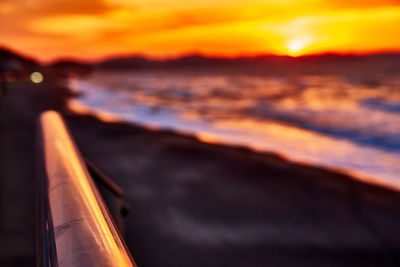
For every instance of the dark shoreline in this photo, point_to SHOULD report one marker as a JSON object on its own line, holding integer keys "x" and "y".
{"x": 358, "y": 174}
{"x": 259, "y": 180}
{"x": 270, "y": 182}
{"x": 126, "y": 126}
{"x": 200, "y": 204}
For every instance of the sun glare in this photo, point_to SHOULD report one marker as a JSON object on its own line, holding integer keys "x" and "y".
{"x": 297, "y": 46}
{"x": 155, "y": 28}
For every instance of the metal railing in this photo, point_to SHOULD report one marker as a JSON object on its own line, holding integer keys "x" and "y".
{"x": 75, "y": 227}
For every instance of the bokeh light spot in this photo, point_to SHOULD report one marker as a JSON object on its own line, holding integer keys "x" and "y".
{"x": 36, "y": 77}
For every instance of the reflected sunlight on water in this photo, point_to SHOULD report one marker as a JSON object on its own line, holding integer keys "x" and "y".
{"x": 351, "y": 123}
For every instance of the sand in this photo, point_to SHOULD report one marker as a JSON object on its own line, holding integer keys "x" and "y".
{"x": 198, "y": 204}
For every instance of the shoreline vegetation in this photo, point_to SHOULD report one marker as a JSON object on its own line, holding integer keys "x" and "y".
{"x": 195, "y": 203}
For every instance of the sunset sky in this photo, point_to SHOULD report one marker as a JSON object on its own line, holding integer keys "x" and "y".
{"x": 93, "y": 29}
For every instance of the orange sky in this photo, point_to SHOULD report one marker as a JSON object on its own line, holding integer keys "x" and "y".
{"x": 92, "y": 29}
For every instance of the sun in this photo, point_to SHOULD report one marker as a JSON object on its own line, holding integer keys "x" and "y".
{"x": 297, "y": 46}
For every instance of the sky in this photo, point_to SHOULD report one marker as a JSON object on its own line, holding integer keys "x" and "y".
{"x": 95, "y": 29}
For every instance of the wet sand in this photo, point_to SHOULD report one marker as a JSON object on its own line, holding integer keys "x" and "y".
{"x": 198, "y": 204}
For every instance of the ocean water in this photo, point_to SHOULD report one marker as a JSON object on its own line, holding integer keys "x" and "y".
{"x": 349, "y": 123}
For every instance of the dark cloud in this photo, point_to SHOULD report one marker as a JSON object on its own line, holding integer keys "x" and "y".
{"x": 58, "y": 7}
{"x": 75, "y": 7}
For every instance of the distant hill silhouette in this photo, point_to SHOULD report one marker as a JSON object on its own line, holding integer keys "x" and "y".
{"x": 319, "y": 64}
{"x": 388, "y": 63}
{"x": 13, "y": 61}
{"x": 65, "y": 67}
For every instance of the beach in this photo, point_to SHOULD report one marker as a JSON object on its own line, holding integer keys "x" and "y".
{"x": 340, "y": 121}
{"x": 198, "y": 204}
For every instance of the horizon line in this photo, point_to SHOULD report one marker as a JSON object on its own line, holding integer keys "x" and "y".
{"x": 193, "y": 54}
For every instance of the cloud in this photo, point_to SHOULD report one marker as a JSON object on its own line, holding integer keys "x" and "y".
{"x": 95, "y": 28}
{"x": 153, "y": 22}
{"x": 55, "y": 7}
{"x": 123, "y": 22}
{"x": 360, "y": 4}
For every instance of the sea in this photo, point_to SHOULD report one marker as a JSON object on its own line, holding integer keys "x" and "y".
{"x": 348, "y": 123}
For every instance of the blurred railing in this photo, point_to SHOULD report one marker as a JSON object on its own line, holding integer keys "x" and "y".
{"x": 75, "y": 228}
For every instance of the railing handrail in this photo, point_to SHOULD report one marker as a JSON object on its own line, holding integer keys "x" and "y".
{"x": 76, "y": 227}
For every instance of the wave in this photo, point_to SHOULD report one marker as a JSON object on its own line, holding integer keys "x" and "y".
{"x": 358, "y": 126}
{"x": 322, "y": 120}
